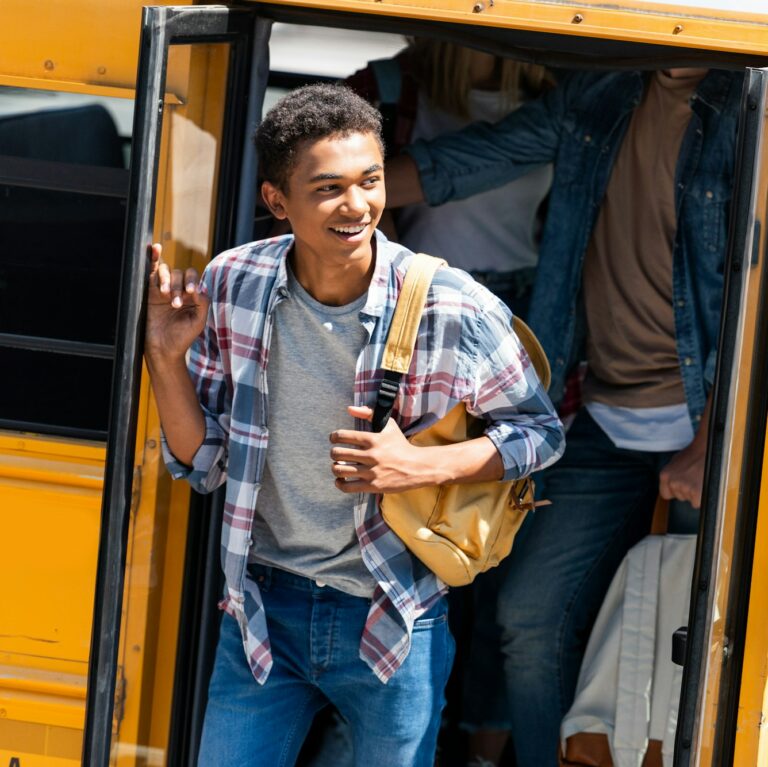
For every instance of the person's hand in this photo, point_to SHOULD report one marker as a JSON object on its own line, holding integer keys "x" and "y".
{"x": 366, "y": 462}
{"x": 176, "y": 310}
{"x": 683, "y": 477}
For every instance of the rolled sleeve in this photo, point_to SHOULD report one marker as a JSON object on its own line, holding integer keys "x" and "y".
{"x": 209, "y": 464}
{"x": 528, "y": 445}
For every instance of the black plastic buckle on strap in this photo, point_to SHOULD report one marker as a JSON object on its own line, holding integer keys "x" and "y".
{"x": 385, "y": 400}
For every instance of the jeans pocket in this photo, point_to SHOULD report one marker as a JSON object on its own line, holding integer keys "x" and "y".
{"x": 435, "y": 616}
{"x": 261, "y": 575}
{"x": 422, "y": 624}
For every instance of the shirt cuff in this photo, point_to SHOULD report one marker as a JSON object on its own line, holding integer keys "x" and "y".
{"x": 208, "y": 464}
{"x": 436, "y": 186}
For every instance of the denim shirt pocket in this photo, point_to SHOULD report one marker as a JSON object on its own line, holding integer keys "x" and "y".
{"x": 580, "y": 150}
{"x": 710, "y": 197}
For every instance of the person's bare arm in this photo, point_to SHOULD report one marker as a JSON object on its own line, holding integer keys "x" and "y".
{"x": 364, "y": 462}
{"x": 403, "y": 183}
{"x": 683, "y": 477}
{"x": 176, "y": 315}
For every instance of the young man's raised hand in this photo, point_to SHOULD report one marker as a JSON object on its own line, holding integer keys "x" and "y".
{"x": 176, "y": 309}
{"x": 176, "y": 315}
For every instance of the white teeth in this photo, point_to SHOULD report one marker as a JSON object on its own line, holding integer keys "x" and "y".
{"x": 349, "y": 229}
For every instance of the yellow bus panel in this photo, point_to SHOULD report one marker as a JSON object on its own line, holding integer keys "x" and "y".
{"x": 674, "y": 25}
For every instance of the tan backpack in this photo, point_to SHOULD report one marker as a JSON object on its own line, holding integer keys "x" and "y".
{"x": 457, "y": 531}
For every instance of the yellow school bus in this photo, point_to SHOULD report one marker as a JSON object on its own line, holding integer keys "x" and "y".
{"x": 122, "y": 125}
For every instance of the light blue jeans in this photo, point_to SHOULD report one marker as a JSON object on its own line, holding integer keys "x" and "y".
{"x": 315, "y": 637}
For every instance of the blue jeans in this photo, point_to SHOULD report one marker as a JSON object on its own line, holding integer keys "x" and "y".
{"x": 483, "y": 691}
{"x": 560, "y": 568}
{"x": 315, "y": 637}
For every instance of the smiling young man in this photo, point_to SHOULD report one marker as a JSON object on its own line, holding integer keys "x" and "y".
{"x": 323, "y": 602}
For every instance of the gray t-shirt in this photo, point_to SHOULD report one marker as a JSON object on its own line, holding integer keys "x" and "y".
{"x": 303, "y": 524}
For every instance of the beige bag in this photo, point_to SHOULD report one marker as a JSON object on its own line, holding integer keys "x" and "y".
{"x": 624, "y": 713}
{"x": 457, "y": 531}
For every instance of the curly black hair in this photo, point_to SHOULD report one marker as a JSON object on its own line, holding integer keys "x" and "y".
{"x": 310, "y": 113}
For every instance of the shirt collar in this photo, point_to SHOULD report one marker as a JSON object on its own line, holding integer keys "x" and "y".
{"x": 713, "y": 90}
{"x": 281, "y": 281}
{"x": 384, "y": 255}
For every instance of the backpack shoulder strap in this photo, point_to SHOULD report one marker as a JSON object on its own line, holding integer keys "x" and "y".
{"x": 403, "y": 330}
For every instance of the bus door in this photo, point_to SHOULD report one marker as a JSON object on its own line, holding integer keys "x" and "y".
{"x": 190, "y": 131}
{"x": 724, "y": 680}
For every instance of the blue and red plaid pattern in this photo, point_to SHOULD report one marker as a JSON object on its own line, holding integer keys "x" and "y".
{"x": 465, "y": 351}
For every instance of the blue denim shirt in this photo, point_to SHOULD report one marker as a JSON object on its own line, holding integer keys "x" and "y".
{"x": 579, "y": 126}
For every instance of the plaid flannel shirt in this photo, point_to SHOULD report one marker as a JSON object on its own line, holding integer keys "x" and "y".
{"x": 465, "y": 351}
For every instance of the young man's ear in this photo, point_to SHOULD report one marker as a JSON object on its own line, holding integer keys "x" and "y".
{"x": 274, "y": 199}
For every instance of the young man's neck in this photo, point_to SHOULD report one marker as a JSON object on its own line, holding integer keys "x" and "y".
{"x": 333, "y": 284}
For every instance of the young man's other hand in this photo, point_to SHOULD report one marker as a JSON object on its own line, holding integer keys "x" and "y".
{"x": 366, "y": 462}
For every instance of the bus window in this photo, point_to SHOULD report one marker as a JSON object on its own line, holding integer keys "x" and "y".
{"x": 63, "y": 182}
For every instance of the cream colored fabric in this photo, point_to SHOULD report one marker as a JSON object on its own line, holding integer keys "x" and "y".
{"x": 628, "y": 687}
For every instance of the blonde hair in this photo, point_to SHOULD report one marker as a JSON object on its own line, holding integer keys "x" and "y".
{"x": 443, "y": 71}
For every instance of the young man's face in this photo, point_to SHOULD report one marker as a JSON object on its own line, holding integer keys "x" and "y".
{"x": 334, "y": 198}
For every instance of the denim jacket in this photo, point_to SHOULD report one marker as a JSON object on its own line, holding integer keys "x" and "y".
{"x": 580, "y": 126}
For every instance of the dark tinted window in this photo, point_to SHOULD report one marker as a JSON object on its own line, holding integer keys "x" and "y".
{"x": 62, "y": 217}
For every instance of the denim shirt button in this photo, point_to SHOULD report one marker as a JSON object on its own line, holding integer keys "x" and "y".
{"x": 681, "y": 185}
{"x": 560, "y": 361}
{"x": 587, "y": 139}
{"x": 709, "y": 194}
{"x": 688, "y": 361}
{"x": 681, "y": 302}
